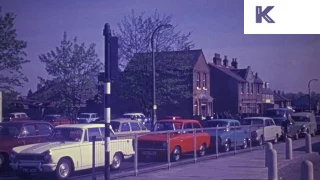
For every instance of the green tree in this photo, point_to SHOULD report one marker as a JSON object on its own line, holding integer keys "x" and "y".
{"x": 12, "y": 54}
{"x": 29, "y": 93}
{"x": 135, "y": 56}
{"x": 74, "y": 69}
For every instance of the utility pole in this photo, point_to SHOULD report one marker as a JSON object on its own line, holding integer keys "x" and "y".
{"x": 1, "y": 108}
{"x": 309, "y": 89}
{"x": 107, "y": 98}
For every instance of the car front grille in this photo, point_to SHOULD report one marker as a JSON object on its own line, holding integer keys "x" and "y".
{"x": 30, "y": 157}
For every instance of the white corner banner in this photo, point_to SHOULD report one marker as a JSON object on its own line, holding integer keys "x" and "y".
{"x": 281, "y": 16}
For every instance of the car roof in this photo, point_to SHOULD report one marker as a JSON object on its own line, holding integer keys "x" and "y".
{"x": 223, "y": 120}
{"x": 82, "y": 126}
{"x": 122, "y": 120}
{"x": 24, "y": 122}
{"x": 133, "y": 114}
{"x": 259, "y": 118}
{"x": 178, "y": 120}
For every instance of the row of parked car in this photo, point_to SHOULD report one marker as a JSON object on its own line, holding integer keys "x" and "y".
{"x": 36, "y": 146}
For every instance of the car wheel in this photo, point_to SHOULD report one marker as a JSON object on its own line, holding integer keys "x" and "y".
{"x": 226, "y": 147}
{"x": 64, "y": 169}
{"x": 261, "y": 141}
{"x": 245, "y": 144}
{"x": 275, "y": 141}
{"x": 202, "y": 150}
{"x": 116, "y": 161}
{"x": 176, "y": 155}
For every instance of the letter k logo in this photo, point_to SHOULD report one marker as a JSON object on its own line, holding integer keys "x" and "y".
{"x": 263, "y": 14}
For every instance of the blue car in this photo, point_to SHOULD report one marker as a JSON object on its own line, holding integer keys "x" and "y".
{"x": 229, "y": 137}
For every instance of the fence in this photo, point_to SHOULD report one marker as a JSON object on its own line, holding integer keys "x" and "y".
{"x": 134, "y": 153}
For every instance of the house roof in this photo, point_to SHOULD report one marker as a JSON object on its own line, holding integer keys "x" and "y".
{"x": 267, "y": 91}
{"x": 280, "y": 97}
{"x": 166, "y": 59}
{"x": 227, "y": 71}
{"x": 244, "y": 73}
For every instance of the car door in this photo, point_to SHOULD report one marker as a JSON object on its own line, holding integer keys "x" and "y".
{"x": 240, "y": 135}
{"x": 199, "y": 134}
{"x": 28, "y": 134}
{"x": 231, "y": 133}
{"x": 187, "y": 137}
{"x": 274, "y": 129}
{"x": 86, "y": 148}
{"x": 43, "y": 131}
{"x": 269, "y": 130}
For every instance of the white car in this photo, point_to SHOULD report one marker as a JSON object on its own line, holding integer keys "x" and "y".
{"x": 68, "y": 149}
{"x": 263, "y": 129}
{"x": 87, "y": 117}
{"x": 136, "y": 116}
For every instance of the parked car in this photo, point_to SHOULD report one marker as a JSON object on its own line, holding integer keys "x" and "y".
{"x": 231, "y": 136}
{"x": 263, "y": 129}
{"x": 126, "y": 127}
{"x": 180, "y": 138}
{"x": 16, "y": 116}
{"x": 306, "y": 123}
{"x": 69, "y": 149}
{"x": 279, "y": 114}
{"x": 87, "y": 117}
{"x": 17, "y": 133}
{"x": 136, "y": 116}
{"x": 56, "y": 119}
{"x": 318, "y": 123}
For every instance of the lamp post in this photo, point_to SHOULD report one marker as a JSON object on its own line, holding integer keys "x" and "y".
{"x": 310, "y": 92}
{"x": 154, "y": 107}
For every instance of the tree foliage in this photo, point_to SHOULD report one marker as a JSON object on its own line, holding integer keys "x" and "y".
{"x": 74, "y": 69}
{"x": 12, "y": 54}
{"x": 29, "y": 94}
{"x": 172, "y": 71}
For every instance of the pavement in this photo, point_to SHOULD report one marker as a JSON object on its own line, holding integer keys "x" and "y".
{"x": 246, "y": 166}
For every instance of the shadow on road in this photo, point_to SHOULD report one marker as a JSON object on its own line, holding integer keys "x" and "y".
{"x": 315, "y": 148}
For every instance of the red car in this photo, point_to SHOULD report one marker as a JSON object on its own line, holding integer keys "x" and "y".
{"x": 181, "y": 140}
{"x": 56, "y": 119}
{"x": 19, "y": 133}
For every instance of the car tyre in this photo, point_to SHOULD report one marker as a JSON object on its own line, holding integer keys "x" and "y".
{"x": 64, "y": 169}
{"x": 176, "y": 154}
{"x": 245, "y": 144}
{"x": 275, "y": 141}
{"x": 202, "y": 150}
{"x": 116, "y": 161}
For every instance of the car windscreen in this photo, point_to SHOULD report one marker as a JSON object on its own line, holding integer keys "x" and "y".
{"x": 252, "y": 121}
{"x": 8, "y": 130}
{"x": 167, "y": 126}
{"x": 300, "y": 118}
{"x": 215, "y": 124}
{"x": 66, "y": 134}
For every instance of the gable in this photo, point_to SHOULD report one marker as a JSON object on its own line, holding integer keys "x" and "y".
{"x": 201, "y": 63}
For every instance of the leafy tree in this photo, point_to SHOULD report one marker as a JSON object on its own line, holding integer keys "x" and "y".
{"x": 29, "y": 93}
{"x": 134, "y": 53}
{"x": 12, "y": 55}
{"x": 74, "y": 70}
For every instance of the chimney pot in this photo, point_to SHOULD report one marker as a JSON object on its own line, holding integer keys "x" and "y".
{"x": 256, "y": 75}
{"x": 279, "y": 92}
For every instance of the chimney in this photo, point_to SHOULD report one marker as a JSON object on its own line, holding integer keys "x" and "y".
{"x": 256, "y": 75}
{"x": 216, "y": 59}
{"x": 274, "y": 92}
{"x": 234, "y": 63}
{"x": 266, "y": 84}
{"x": 225, "y": 61}
{"x": 279, "y": 92}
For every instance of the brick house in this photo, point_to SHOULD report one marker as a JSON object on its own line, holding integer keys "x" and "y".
{"x": 267, "y": 97}
{"x": 238, "y": 91}
{"x": 198, "y": 81}
{"x": 280, "y": 100}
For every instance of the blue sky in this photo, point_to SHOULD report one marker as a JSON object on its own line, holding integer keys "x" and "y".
{"x": 287, "y": 62}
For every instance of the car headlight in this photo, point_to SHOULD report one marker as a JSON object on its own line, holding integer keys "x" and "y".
{"x": 164, "y": 144}
{"x": 47, "y": 156}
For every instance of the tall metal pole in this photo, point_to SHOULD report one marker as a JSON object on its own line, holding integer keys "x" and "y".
{"x": 1, "y": 109}
{"x": 309, "y": 89}
{"x": 154, "y": 107}
{"x": 107, "y": 108}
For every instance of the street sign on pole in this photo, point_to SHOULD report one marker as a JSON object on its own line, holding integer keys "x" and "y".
{"x": 107, "y": 94}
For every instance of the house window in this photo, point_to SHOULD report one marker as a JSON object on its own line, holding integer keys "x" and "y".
{"x": 242, "y": 88}
{"x": 198, "y": 80}
{"x": 252, "y": 88}
{"x": 248, "y": 88}
{"x": 258, "y": 89}
{"x": 204, "y": 81}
